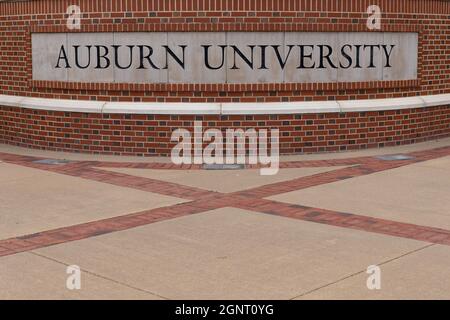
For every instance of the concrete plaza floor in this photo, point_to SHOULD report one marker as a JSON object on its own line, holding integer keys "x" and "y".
{"x": 144, "y": 229}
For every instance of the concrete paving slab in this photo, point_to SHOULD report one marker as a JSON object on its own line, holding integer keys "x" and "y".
{"x": 222, "y": 180}
{"x": 32, "y": 200}
{"x": 440, "y": 163}
{"x": 420, "y": 275}
{"x": 418, "y": 194}
{"x": 14, "y": 173}
{"x": 231, "y": 254}
{"x": 28, "y": 276}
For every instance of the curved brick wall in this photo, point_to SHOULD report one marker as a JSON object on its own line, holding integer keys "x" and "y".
{"x": 142, "y": 135}
{"x": 150, "y": 134}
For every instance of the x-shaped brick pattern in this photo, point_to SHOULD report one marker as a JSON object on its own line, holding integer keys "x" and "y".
{"x": 200, "y": 200}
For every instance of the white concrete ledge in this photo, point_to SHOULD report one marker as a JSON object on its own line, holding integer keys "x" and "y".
{"x": 381, "y": 104}
{"x": 62, "y": 105}
{"x": 280, "y": 108}
{"x": 162, "y": 108}
{"x": 436, "y": 100}
{"x": 10, "y": 101}
{"x": 225, "y": 108}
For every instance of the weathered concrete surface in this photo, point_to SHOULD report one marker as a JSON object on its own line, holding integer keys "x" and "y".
{"x": 29, "y": 276}
{"x": 33, "y": 200}
{"x": 231, "y": 254}
{"x": 418, "y": 194}
{"x": 420, "y": 275}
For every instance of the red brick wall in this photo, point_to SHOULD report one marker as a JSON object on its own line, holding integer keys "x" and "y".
{"x": 150, "y": 135}
{"x": 429, "y": 17}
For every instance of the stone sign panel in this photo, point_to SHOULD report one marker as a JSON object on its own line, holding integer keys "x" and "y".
{"x": 224, "y": 57}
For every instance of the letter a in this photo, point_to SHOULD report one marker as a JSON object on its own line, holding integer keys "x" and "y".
{"x": 374, "y": 20}
{"x": 374, "y": 280}
{"x": 181, "y": 153}
{"x": 62, "y": 57}
{"x": 74, "y": 19}
{"x": 74, "y": 280}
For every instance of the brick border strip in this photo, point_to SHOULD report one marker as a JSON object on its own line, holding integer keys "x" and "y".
{"x": 349, "y": 220}
{"x": 86, "y": 170}
{"x": 100, "y": 227}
